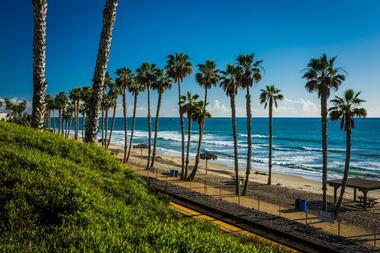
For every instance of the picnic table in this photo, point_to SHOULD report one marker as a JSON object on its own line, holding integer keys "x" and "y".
{"x": 361, "y": 184}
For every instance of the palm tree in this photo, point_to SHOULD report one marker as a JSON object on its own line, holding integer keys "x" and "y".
{"x": 188, "y": 106}
{"x": 346, "y": 109}
{"x": 61, "y": 101}
{"x": 68, "y": 116}
{"x": 200, "y": 114}
{"x": 178, "y": 67}
{"x": 146, "y": 75}
{"x": 109, "y": 16}
{"x": 322, "y": 76}
{"x": 86, "y": 94}
{"x": 125, "y": 79}
{"x": 50, "y": 107}
{"x": 107, "y": 104}
{"x": 207, "y": 76}
{"x": 230, "y": 82}
{"x": 134, "y": 88}
{"x": 251, "y": 73}
{"x": 39, "y": 63}
{"x": 113, "y": 94}
{"x": 75, "y": 96}
{"x": 15, "y": 110}
{"x": 163, "y": 82}
{"x": 270, "y": 96}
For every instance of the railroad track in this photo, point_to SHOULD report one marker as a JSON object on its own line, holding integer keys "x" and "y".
{"x": 277, "y": 239}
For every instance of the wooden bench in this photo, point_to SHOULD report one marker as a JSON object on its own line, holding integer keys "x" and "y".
{"x": 371, "y": 202}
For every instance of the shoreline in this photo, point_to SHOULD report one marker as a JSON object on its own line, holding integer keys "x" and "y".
{"x": 293, "y": 182}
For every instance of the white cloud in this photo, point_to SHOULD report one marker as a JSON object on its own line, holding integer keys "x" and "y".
{"x": 297, "y": 108}
{"x": 218, "y": 109}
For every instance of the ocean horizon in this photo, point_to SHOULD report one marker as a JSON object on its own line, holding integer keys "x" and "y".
{"x": 296, "y": 143}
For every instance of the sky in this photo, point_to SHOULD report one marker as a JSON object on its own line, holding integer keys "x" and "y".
{"x": 284, "y": 34}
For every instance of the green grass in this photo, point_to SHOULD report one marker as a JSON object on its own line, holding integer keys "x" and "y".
{"x": 59, "y": 195}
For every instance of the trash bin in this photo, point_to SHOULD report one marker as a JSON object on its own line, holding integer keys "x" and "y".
{"x": 173, "y": 173}
{"x": 297, "y": 204}
{"x": 303, "y": 205}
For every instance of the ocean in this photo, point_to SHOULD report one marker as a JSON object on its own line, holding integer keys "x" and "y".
{"x": 296, "y": 144}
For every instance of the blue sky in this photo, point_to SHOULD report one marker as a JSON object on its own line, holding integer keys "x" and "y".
{"x": 285, "y": 34}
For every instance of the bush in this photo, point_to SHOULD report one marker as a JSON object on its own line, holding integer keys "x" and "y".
{"x": 61, "y": 195}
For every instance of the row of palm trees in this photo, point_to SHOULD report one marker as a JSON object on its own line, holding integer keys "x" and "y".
{"x": 321, "y": 76}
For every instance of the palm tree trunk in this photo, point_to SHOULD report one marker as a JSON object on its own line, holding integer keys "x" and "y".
{"x": 54, "y": 126}
{"x": 83, "y": 124}
{"x": 346, "y": 166}
{"x": 61, "y": 121}
{"x": 189, "y": 118}
{"x": 112, "y": 124}
{"x": 206, "y": 96}
{"x": 109, "y": 16}
{"x": 133, "y": 125}
{"x": 69, "y": 126}
{"x": 125, "y": 125}
{"x": 156, "y": 127}
{"x": 181, "y": 122}
{"x": 199, "y": 148}
{"x": 234, "y": 133}
{"x": 103, "y": 122}
{"x": 249, "y": 134}
{"x": 76, "y": 119}
{"x": 106, "y": 128}
{"x": 149, "y": 129}
{"x": 270, "y": 142}
{"x": 39, "y": 63}
{"x": 324, "y": 148}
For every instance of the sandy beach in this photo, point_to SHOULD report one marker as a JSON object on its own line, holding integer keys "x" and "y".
{"x": 285, "y": 180}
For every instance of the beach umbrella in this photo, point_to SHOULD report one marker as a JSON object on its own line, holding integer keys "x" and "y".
{"x": 208, "y": 156}
{"x": 141, "y": 146}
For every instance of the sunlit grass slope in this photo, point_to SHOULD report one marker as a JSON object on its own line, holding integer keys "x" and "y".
{"x": 62, "y": 195}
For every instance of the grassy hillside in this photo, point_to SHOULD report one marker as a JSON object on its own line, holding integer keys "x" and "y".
{"x": 62, "y": 195}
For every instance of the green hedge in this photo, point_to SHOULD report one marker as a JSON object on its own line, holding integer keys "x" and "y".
{"x": 61, "y": 195}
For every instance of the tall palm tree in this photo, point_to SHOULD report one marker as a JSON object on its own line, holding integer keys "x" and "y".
{"x": 178, "y": 67}
{"x": 188, "y": 106}
{"x": 346, "y": 109}
{"x": 50, "y": 107}
{"x": 230, "y": 83}
{"x": 39, "y": 63}
{"x": 113, "y": 94}
{"x": 61, "y": 101}
{"x": 207, "y": 76}
{"x": 270, "y": 96}
{"x": 125, "y": 79}
{"x": 109, "y": 16}
{"x": 163, "y": 82}
{"x": 86, "y": 94}
{"x": 134, "y": 88}
{"x": 146, "y": 75}
{"x": 75, "y": 96}
{"x": 107, "y": 104}
{"x": 200, "y": 114}
{"x": 251, "y": 73}
{"x": 322, "y": 76}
